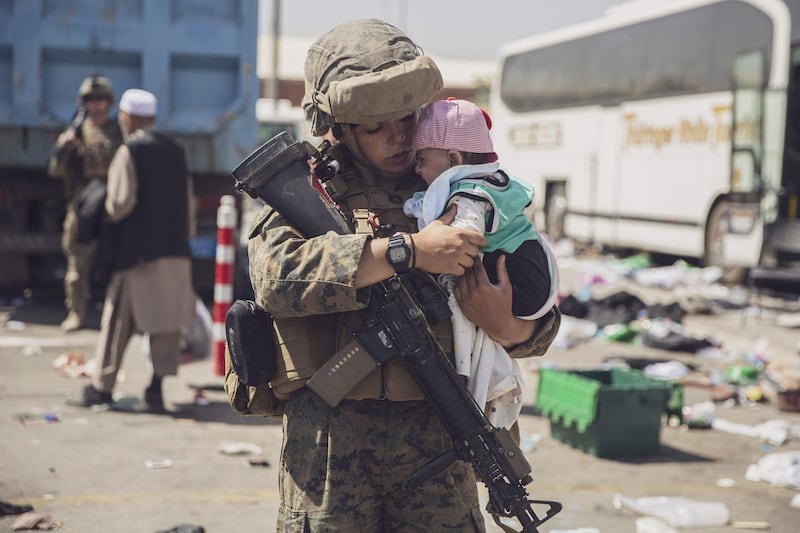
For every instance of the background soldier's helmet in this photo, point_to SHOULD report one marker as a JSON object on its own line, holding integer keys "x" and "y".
{"x": 365, "y": 71}
{"x": 96, "y": 86}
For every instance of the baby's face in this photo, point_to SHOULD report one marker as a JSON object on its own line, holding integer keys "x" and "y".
{"x": 431, "y": 162}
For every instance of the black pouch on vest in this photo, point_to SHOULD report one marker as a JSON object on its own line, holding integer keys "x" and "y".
{"x": 251, "y": 342}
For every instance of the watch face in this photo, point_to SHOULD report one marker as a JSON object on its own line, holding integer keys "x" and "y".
{"x": 398, "y": 254}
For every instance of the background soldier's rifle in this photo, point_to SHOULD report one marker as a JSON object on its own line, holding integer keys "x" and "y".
{"x": 397, "y": 323}
{"x": 74, "y": 161}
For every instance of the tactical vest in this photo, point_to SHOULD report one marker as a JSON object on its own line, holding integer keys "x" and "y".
{"x": 374, "y": 206}
{"x": 99, "y": 145}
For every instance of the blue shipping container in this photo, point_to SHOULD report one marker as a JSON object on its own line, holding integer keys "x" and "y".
{"x": 197, "y": 56}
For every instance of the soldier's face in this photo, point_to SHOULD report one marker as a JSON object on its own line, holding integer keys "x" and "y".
{"x": 97, "y": 107}
{"x": 389, "y": 145}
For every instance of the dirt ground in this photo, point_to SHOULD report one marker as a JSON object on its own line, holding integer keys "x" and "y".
{"x": 88, "y": 470}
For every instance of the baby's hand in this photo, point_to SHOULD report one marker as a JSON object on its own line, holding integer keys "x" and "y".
{"x": 443, "y": 249}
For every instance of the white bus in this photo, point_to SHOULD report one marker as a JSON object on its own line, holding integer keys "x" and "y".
{"x": 665, "y": 126}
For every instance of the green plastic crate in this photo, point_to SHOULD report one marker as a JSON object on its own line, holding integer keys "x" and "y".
{"x": 607, "y": 413}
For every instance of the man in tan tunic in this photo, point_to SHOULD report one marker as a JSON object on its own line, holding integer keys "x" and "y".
{"x": 149, "y": 199}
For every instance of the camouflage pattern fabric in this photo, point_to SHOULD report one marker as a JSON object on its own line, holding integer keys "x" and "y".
{"x": 344, "y": 469}
{"x": 77, "y": 289}
{"x": 96, "y": 151}
{"x": 99, "y": 146}
{"x": 363, "y": 71}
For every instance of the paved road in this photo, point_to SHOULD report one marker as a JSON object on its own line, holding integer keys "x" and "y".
{"x": 88, "y": 469}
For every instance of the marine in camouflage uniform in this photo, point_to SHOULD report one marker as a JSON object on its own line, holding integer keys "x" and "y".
{"x": 78, "y": 157}
{"x": 343, "y": 468}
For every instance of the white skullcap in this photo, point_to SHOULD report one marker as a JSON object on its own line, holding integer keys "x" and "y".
{"x": 138, "y": 102}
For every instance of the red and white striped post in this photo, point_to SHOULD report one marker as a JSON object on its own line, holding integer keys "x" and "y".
{"x": 223, "y": 279}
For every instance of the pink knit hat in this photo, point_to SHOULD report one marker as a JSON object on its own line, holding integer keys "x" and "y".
{"x": 455, "y": 125}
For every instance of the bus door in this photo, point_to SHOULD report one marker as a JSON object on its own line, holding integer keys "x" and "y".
{"x": 790, "y": 183}
{"x": 734, "y": 229}
{"x": 782, "y": 210}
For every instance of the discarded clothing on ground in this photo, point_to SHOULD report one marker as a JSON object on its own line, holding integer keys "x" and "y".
{"x": 666, "y": 335}
{"x": 36, "y": 521}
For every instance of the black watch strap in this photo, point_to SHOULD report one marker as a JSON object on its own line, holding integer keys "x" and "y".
{"x": 398, "y": 254}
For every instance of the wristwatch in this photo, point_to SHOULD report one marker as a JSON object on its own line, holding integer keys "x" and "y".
{"x": 398, "y": 254}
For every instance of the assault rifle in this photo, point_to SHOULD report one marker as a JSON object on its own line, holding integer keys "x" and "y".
{"x": 398, "y": 324}
{"x": 74, "y": 165}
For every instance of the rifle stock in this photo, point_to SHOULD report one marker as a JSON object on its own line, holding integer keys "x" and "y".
{"x": 278, "y": 173}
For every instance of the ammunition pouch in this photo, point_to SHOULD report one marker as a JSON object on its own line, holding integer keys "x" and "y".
{"x": 250, "y": 360}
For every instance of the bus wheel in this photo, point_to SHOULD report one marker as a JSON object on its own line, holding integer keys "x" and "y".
{"x": 716, "y": 229}
{"x": 555, "y": 210}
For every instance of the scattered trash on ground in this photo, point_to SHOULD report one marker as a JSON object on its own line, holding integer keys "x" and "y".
{"x": 775, "y": 432}
{"x": 529, "y": 441}
{"x": 650, "y": 524}
{"x": 73, "y": 364}
{"x": 15, "y": 325}
{"x": 37, "y": 419}
{"x": 677, "y": 511}
{"x": 795, "y": 501}
{"x": 778, "y": 469}
{"x": 258, "y": 461}
{"x": 201, "y": 399}
{"x": 256, "y": 452}
{"x": 184, "y": 528}
{"x": 240, "y": 448}
{"x": 158, "y": 464}
{"x": 35, "y": 521}
{"x": 699, "y": 415}
{"x": 726, "y": 482}
{"x": 32, "y": 350}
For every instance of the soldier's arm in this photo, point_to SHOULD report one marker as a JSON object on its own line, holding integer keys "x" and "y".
{"x": 59, "y": 156}
{"x": 293, "y": 276}
{"x": 544, "y": 333}
{"x": 438, "y": 249}
{"x": 488, "y": 306}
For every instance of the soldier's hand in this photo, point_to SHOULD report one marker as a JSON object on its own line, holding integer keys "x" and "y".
{"x": 488, "y": 305}
{"x": 443, "y": 249}
{"x": 67, "y": 138}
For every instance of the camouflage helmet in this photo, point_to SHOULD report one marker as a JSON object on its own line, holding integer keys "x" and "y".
{"x": 96, "y": 85}
{"x": 365, "y": 71}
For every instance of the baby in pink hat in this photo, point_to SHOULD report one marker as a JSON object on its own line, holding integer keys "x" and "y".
{"x": 455, "y": 156}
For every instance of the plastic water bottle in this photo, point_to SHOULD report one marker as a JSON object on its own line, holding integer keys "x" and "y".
{"x": 677, "y": 511}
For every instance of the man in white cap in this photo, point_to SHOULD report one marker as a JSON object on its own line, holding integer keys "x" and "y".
{"x": 150, "y": 291}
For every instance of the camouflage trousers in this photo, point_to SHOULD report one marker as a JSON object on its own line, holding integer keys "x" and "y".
{"x": 77, "y": 286}
{"x": 343, "y": 469}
